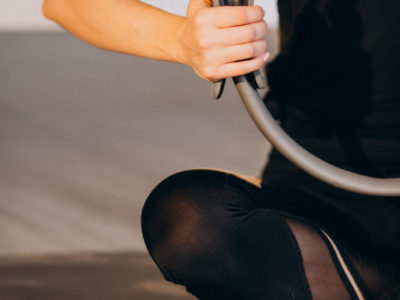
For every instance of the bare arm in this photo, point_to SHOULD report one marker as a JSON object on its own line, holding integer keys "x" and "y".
{"x": 210, "y": 40}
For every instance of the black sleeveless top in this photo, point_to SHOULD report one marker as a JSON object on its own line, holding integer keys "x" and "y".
{"x": 335, "y": 86}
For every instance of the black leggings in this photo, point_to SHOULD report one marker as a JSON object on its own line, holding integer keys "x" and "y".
{"x": 214, "y": 233}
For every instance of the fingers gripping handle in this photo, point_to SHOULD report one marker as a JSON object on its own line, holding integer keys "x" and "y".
{"x": 217, "y": 88}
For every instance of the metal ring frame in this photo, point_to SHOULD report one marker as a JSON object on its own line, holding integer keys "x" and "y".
{"x": 289, "y": 148}
{"x": 302, "y": 158}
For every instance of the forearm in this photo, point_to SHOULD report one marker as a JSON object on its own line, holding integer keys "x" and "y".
{"x": 127, "y": 26}
{"x": 216, "y": 42}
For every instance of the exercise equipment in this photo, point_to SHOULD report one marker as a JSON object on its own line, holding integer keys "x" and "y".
{"x": 247, "y": 86}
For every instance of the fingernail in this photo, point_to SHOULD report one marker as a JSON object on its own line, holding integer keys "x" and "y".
{"x": 266, "y": 56}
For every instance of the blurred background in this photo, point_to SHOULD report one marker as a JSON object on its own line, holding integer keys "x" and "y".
{"x": 85, "y": 135}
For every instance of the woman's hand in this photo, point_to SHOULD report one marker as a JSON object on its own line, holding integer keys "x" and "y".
{"x": 217, "y": 42}
{"x": 222, "y": 42}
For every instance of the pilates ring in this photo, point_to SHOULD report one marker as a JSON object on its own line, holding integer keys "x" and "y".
{"x": 247, "y": 85}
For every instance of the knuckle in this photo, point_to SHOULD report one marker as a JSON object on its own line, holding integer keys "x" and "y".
{"x": 203, "y": 40}
{"x": 241, "y": 16}
{"x": 208, "y": 72}
{"x": 262, "y": 27}
{"x": 251, "y": 32}
{"x": 208, "y": 56}
{"x": 251, "y": 50}
{"x": 260, "y": 11}
{"x": 263, "y": 45}
{"x": 199, "y": 18}
{"x": 265, "y": 26}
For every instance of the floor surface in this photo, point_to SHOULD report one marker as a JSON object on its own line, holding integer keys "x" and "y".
{"x": 120, "y": 276}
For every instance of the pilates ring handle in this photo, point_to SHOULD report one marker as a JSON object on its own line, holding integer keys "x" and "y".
{"x": 314, "y": 166}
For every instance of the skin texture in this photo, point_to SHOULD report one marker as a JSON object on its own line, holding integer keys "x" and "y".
{"x": 217, "y": 42}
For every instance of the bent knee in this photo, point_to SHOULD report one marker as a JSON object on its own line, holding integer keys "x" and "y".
{"x": 184, "y": 200}
{"x": 173, "y": 219}
{"x": 191, "y": 216}
{"x": 176, "y": 206}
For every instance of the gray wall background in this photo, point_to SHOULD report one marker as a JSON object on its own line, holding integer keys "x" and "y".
{"x": 23, "y": 15}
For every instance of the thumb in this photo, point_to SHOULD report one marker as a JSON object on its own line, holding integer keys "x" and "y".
{"x": 195, "y": 5}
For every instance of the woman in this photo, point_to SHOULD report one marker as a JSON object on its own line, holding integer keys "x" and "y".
{"x": 335, "y": 87}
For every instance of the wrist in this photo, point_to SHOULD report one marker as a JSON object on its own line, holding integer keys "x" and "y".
{"x": 178, "y": 48}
